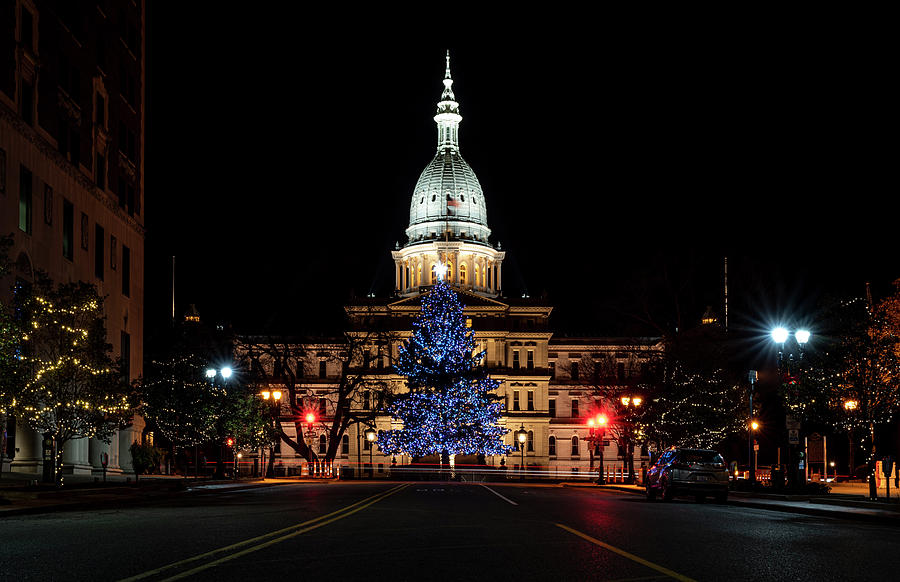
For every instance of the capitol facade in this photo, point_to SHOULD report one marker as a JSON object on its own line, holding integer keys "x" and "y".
{"x": 551, "y": 386}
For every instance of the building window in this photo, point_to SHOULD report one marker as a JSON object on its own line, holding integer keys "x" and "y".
{"x": 551, "y": 404}
{"x": 27, "y": 103}
{"x": 48, "y": 204}
{"x": 551, "y": 446}
{"x": 323, "y": 405}
{"x": 529, "y": 362}
{"x": 323, "y": 369}
{"x": 68, "y": 247}
{"x": 574, "y": 408}
{"x": 99, "y": 240}
{"x": 620, "y": 370}
{"x": 345, "y": 444}
{"x": 125, "y": 354}
{"x": 27, "y": 32}
{"x": 25, "y": 184}
{"x": 515, "y": 359}
{"x": 323, "y": 445}
{"x": 530, "y": 400}
{"x": 85, "y": 233}
{"x": 553, "y": 370}
{"x": 515, "y": 400}
{"x": 2, "y": 171}
{"x": 573, "y": 373}
{"x": 126, "y": 271}
{"x": 100, "y": 178}
{"x": 113, "y": 252}
{"x": 462, "y": 274}
{"x": 574, "y": 446}
{"x": 530, "y": 441}
{"x": 365, "y": 403}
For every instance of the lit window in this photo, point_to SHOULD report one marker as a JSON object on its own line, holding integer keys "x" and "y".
{"x": 531, "y": 441}
{"x": 515, "y": 400}
{"x": 462, "y": 274}
{"x": 531, "y": 400}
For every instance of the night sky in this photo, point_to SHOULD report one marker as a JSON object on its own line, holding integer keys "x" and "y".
{"x": 280, "y": 167}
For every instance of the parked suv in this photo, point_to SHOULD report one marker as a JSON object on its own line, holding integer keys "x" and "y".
{"x": 680, "y": 471}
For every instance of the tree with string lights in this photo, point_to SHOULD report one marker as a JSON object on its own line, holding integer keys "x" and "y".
{"x": 10, "y": 338}
{"x": 450, "y": 406}
{"x": 70, "y": 385}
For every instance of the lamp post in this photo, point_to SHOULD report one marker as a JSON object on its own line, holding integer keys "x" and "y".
{"x": 598, "y": 428}
{"x": 275, "y": 397}
{"x": 522, "y": 437}
{"x": 850, "y": 407}
{"x": 371, "y": 435}
{"x": 753, "y": 425}
{"x": 211, "y": 374}
{"x": 629, "y": 402}
{"x": 786, "y": 370}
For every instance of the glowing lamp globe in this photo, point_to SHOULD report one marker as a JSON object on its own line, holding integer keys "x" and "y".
{"x": 440, "y": 269}
{"x": 226, "y": 372}
{"x": 210, "y": 373}
{"x": 601, "y": 420}
{"x": 780, "y": 335}
{"x": 802, "y": 336}
{"x": 310, "y": 417}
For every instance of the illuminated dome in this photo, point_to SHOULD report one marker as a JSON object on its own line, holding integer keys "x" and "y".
{"x": 448, "y": 196}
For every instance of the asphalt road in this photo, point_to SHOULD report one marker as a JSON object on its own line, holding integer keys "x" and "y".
{"x": 439, "y": 531}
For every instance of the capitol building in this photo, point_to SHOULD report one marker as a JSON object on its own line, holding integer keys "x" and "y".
{"x": 550, "y": 385}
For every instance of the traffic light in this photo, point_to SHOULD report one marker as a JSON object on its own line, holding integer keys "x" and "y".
{"x": 310, "y": 417}
{"x": 229, "y": 441}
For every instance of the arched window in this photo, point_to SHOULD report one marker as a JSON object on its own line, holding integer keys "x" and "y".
{"x": 551, "y": 448}
{"x": 433, "y": 275}
{"x": 462, "y": 274}
{"x": 575, "y": 446}
{"x": 530, "y": 441}
{"x": 345, "y": 445}
{"x": 323, "y": 445}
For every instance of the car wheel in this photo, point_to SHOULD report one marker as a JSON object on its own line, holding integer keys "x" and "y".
{"x": 666, "y": 490}
{"x": 651, "y": 492}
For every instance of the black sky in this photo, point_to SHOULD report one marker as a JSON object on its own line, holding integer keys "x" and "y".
{"x": 280, "y": 166}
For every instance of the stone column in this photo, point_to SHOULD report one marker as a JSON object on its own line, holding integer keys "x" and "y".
{"x": 75, "y": 457}
{"x": 28, "y": 450}
{"x": 127, "y": 436}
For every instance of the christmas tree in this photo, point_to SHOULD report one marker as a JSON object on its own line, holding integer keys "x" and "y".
{"x": 450, "y": 407}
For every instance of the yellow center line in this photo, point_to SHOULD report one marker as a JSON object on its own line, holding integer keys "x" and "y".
{"x": 349, "y": 510}
{"x": 628, "y": 555}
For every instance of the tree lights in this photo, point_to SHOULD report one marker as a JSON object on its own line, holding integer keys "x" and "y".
{"x": 70, "y": 386}
{"x": 450, "y": 406}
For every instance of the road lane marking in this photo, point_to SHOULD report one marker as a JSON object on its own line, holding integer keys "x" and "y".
{"x": 274, "y": 541}
{"x": 372, "y": 498}
{"x": 500, "y": 496}
{"x": 628, "y": 555}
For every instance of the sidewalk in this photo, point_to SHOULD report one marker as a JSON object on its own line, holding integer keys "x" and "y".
{"x": 20, "y": 496}
{"x": 842, "y": 503}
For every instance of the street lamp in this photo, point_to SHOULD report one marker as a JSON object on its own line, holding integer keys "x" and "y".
{"x": 522, "y": 437}
{"x": 633, "y": 402}
{"x": 371, "y": 435}
{"x": 597, "y": 424}
{"x": 275, "y": 397}
{"x": 211, "y": 374}
{"x": 780, "y": 336}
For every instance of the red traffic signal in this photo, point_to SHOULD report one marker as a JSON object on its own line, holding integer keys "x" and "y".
{"x": 229, "y": 441}
{"x": 310, "y": 417}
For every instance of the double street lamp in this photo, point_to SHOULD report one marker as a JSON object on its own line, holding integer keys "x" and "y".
{"x": 211, "y": 373}
{"x": 630, "y": 402}
{"x": 273, "y": 396}
{"x": 780, "y": 335}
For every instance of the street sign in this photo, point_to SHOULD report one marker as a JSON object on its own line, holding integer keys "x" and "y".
{"x": 887, "y": 465}
{"x": 755, "y": 445}
{"x": 791, "y": 423}
{"x": 794, "y": 437}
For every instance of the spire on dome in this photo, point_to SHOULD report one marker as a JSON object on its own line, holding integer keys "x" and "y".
{"x": 447, "y": 95}
{"x": 448, "y": 116}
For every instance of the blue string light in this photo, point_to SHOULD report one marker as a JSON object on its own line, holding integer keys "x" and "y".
{"x": 450, "y": 406}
